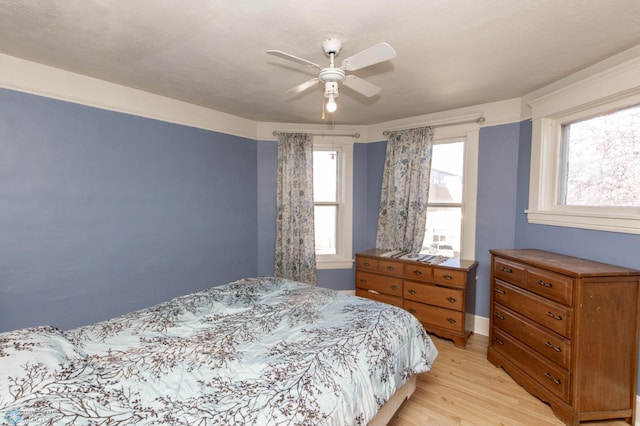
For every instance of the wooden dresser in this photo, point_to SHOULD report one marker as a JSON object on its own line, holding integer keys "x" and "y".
{"x": 566, "y": 329}
{"x": 438, "y": 295}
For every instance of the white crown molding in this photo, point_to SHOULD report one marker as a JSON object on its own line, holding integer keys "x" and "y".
{"x": 494, "y": 113}
{"x": 30, "y": 77}
{"x": 611, "y": 79}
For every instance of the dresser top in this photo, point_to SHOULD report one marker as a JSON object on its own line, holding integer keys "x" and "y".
{"x": 563, "y": 264}
{"x": 452, "y": 262}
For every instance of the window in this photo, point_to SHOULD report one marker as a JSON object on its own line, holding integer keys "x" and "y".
{"x": 325, "y": 194}
{"x": 599, "y": 158}
{"x": 444, "y": 210}
{"x": 584, "y": 153}
{"x": 332, "y": 192}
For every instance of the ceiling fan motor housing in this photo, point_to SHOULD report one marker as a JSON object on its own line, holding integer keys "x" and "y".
{"x": 330, "y": 75}
{"x": 331, "y": 45}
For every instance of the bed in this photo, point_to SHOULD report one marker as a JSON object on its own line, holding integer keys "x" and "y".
{"x": 258, "y": 351}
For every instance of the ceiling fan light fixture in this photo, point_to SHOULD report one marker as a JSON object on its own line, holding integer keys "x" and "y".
{"x": 331, "y": 104}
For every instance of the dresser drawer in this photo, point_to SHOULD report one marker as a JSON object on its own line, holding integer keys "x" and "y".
{"x": 379, "y": 283}
{"x": 366, "y": 263}
{"x": 555, "y": 379}
{"x": 550, "y": 285}
{"x": 379, "y": 297}
{"x": 434, "y": 295}
{"x": 418, "y": 272}
{"x": 450, "y": 277}
{"x": 390, "y": 267}
{"x": 547, "y": 344}
{"x": 510, "y": 271}
{"x": 439, "y": 317}
{"x": 549, "y": 314}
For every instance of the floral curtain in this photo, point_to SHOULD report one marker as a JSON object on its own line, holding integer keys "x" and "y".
{"x": 405, "y": 190}
{"x": 295, "y": 256}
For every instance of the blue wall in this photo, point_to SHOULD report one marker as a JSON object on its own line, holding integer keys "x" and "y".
{"x": 496, "y": 201}
{"x": 267, "y": 170}
{"x": 103, "y": 213}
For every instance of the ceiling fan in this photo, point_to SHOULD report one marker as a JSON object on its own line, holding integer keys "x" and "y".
{"x": 331, "y": 76}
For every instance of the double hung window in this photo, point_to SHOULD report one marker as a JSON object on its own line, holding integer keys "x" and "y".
{"x": 332, "y": 193}
{"x": 444, "y": 212}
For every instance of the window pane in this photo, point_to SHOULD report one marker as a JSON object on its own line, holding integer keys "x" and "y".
{"x": 601, "y": 161}
{"x": 325, "y": 229}
{"x": 325, "y": 176}
{"x": 447, "y": 164}
{"x": 443, "y": 231}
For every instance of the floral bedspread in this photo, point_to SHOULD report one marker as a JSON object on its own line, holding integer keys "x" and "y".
{"x": 259, "y": 351}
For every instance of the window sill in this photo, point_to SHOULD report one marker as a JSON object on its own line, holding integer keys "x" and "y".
{"x": 629, "y": 224}
{"x": 334, "y": 263}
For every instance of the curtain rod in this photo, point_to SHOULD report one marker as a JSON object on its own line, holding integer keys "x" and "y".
{"x": 352, "y": 134}
{"x": 478, "y": 120}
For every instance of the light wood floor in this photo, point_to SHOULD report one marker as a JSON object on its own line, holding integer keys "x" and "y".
{"x": 463, "y": 388}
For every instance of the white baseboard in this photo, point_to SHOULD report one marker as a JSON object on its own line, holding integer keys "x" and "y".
{"x": 480, "y": 325}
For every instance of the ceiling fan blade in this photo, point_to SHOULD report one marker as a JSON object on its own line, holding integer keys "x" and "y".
{"x": 290, "y": 57}
{"x": 361, "y": 86}
{"x": 304, "y": 86}
{"x": 379, "y": 53}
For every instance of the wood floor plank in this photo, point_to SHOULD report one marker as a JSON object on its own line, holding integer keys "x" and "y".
{"x": 464, "y": 389}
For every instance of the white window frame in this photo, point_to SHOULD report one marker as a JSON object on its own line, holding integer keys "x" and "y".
{"x": 470, "y": 135}
{"x": 615, "y": 88}
{"x": 343, "y": 258}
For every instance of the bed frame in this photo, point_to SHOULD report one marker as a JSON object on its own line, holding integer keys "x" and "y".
{"x": 390, "y": 408}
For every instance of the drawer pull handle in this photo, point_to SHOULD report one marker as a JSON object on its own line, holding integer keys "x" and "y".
{"x": 412, "y": 291}
{"x": 498, "y": 341}
{"x": 451, "y": 320}
{"x": 545, "y": 284}
{"x": 499, "y": 291}
{"x": 508, "y": 271}
{"x": 550, "y": 377}
{"x": 366, "y": 264}
{"x": 451, "y": 299}
{"x": 554, "y": 316}
{"x": 552, "y": 346}
{"x": 412, "y": 311}
{"x": 394, "y": 287}
{"x": 497, "y": 315}
{"x": 363, "y": 280}
{"x": 373, "y": 291}
{"x": 417, "y": 272}
{"x": 390, "y": 268}
{"x": 447, "y": 277}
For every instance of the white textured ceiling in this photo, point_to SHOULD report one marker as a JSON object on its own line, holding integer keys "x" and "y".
{"x": 450, "y": 53}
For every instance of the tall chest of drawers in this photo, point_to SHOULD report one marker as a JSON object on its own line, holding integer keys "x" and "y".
{"x": 566, "y": 329}
{"x": 438, "y": 295}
